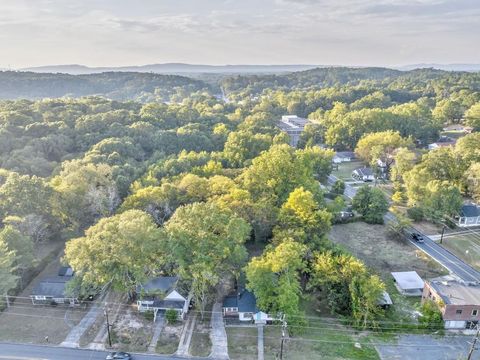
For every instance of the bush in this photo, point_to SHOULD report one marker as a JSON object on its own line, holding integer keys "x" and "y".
{"x": 415, "y": 213}
{"x": 338, "y": 187}
{"x": 171, "y": 316}
{"x": 431, "y": 317}
{"x": 148, "y": 315}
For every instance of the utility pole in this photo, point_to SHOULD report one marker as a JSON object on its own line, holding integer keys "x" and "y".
{"x": 284, "y": 334}
{"x": 105, "y": 312}
{"x": 472, "y": 348}
{"x": 443, "y": 232}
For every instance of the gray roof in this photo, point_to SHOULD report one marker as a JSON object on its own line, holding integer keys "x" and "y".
{"x": 65, "y": 271}
{"x": 470, "y": 211}
{"x": 158, "y": 284}
{"x": 408, "y": 280}
{"x": 168, "y": 304}
{"x": 53, "y": 286}
{"x": 456, "y": 293}
{"x": 365, "y": 171}
{"x": 345, "y": 154}
{"x": 245, "y": 302}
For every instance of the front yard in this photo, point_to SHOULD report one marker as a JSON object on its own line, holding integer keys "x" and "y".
{"x": 242, "y": 342}
{"x": 466, "y": 245}
{"x": 27, "y": 323}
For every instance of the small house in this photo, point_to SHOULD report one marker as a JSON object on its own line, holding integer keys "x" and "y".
{"x": 469, "y": 215}
{"x": 458, "y": 302}
{"x": 161, "y": 294}
{"x": 408, "y": 283}
{"x": 293, "y": 126}
{"x": 444, "y": 141}
{"x": 52, "y": 290}
{"x": 363, "y": 174}
{"x": 343, "y": 156}
{"x": 244, "y": 307}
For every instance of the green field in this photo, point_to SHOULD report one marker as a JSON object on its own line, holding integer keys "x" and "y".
{"x": 466, "y": 246}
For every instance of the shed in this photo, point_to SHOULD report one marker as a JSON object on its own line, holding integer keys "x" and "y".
{"x": 408, "y": 283}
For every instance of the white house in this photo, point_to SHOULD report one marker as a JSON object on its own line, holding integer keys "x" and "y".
{"x": 363, "y": 174}
{"x": 162, "y": 294}
{"x": 408, "y": 283}
{"x": 293, "y": 126}
{"x": 444, "y": 141}
{"x": 343, "y": 156}
{"x": 469, "y": 215}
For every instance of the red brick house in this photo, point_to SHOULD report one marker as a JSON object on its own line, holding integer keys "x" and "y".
{"x": 459, "y": 303}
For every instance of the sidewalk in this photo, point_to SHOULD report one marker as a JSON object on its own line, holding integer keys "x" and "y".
{"x": 159, "y": 324}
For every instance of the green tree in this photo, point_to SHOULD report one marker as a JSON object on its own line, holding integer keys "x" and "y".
{"x": 338, "y": 187}
{"x": 472, "y": 116}
{"x": 365, "y": 292}
{"x": 206, "y": 242}
{"x": 448, "y": 111}
{"x": 404, "y": 160}
{"x": 381, "y": 146}
{"x": 8, "y": 279}
{"x": 21, "y": 245}
{"x": 371, "y": 203}
{"x": 472, "y": 181}
{"x": 124, "y": 250}
{"x": 442, "y": 199}
{"x": 274, "y": 278}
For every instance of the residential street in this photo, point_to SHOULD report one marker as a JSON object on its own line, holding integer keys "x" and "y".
{"x": 35, "y": 352}
{"x": 430, "y": 247}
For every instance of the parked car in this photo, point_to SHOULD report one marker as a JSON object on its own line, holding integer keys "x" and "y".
{"x": 418, "y": 237}
{"x": 119, "y": 356}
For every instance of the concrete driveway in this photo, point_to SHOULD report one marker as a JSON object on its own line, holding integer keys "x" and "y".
{"x": 426, "y": 347}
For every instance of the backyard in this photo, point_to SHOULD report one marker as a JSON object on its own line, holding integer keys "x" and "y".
{"x": 345, "y": 169}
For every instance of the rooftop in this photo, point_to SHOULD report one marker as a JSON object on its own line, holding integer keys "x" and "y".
{"x": 364, "y": 171}
{"x": 53, "y": 286}
{"x": 343, "y": 154}
{"x": 408, "y": 280}
{"x": 159, "y": 284}
{"x": 292, "y": 122}
{"x": 470, "y": 210}
{"x": 456, "y": 293}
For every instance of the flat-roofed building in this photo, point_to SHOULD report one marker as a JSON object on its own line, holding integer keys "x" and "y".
{"x": 408, "y": 283}
{"x": 459, "y": 302}
{"x": 293, "y": 126}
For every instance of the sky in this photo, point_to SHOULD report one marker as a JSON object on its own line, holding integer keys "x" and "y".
{"x": 320, "y": 32}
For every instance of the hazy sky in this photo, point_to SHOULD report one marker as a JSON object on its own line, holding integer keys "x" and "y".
{"x": 338, "y": 32}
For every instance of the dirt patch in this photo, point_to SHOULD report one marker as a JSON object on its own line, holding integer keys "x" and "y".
{"x": 373, "y": 245}
{"x": 132, "y": 331}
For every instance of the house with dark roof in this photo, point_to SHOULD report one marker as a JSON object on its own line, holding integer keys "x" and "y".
{"x": 469, "y": 215}
{"x": 444, "y": 141}
{"x": 161, "y": 294}
{"x": 243, "y": 305}
{"x": 53, "y": 289}
{"x": 363, "y": 174}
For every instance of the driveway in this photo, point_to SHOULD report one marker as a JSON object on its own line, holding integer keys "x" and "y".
{"x": 426, "y": 347}
{"x": 218, "y": 335}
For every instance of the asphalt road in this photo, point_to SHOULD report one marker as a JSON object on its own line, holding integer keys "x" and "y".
{"x": 452, "y": 263}
{"x": 36, "y": 352}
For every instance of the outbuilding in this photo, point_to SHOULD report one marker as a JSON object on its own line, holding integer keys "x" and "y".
{"x": 408, "y": 283}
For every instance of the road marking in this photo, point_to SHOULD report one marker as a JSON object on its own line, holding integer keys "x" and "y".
{"x": 20, "y": 358}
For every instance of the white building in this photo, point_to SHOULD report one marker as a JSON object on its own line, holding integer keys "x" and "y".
{"x": 408, "y": 283}
{"x": 293, "y": 126}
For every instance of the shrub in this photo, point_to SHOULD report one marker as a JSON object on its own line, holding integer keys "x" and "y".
{"x": 171, "y": 316}
{"x": 338, "y": 187}
{"x": 415, "y": 213}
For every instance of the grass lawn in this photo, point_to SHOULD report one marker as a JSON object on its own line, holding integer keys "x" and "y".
{"x": 345, "y": 169}
{"x": 373, "y": 245}
{"x": 242, "y": 342}
{"x": 201, "y": 345}
{"x": 466, "y": 246}
{"x": 169, "y": 339}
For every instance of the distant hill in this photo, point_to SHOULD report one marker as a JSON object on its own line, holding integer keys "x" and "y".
{"x": 171, "y": 68}
{"x": 445, "y": 67}
{"x": 114, "y": 85}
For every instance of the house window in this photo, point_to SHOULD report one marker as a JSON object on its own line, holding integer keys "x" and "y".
{"x": 474, "y": 312}
{"x": 458, "y": 312}
{"x": 40, "y": 297}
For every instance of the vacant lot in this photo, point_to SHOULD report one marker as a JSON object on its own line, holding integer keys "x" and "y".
{"x": 465, "y": 245}
{"x": 373, "y": 245}
{"x": 201, "y": 344}
{"x": 28, "y": 323}
{"x": 169, "y": 339}
{"x": 132, "y": 331}
{"x": 242, "y": 342}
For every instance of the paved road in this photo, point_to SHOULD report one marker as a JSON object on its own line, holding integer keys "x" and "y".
{"x": 427, "y": 347}
{"x": 36, "y": 352}
{"x": 430, "y": 247}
